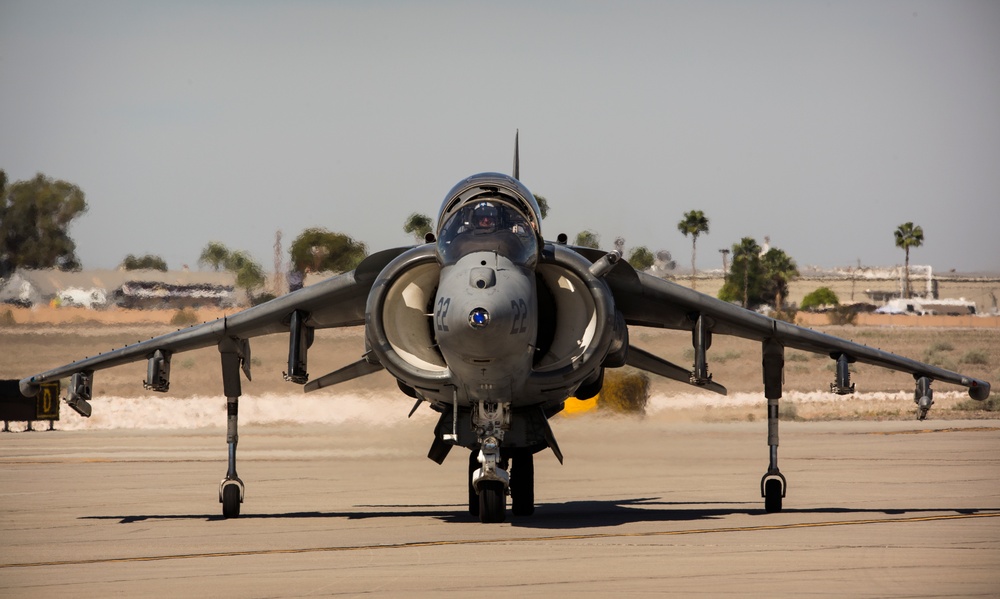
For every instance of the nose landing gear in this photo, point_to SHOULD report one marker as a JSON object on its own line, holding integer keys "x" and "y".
{"x": 491, "y": 482}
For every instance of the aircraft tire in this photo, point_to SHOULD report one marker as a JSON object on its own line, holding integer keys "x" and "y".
{"x": 492, "y": 501}
{"x": 522, "y": 484}
{"x": 772, "y": 496}
{"x": 231, "y": 501}
{"x": 473, "y": 496}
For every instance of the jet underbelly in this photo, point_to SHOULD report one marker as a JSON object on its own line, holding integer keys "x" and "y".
{"x": 486, "y": 322}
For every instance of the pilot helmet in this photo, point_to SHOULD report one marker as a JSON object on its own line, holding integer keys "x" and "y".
{"x": 484, "y": 216}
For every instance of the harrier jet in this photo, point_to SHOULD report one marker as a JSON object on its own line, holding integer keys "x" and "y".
{"x": 495, "y": 328}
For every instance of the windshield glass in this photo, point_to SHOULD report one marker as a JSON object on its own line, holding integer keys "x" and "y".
{"x": 488, "y": 226}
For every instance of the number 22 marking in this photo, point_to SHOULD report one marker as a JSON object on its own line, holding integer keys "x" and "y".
{"x": 520, "y": 324}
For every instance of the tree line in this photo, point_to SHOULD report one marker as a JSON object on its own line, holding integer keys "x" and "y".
{"x": 35, "y": 216}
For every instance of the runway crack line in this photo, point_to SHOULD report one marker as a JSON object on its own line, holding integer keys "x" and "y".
{"x": 501, "y": 540}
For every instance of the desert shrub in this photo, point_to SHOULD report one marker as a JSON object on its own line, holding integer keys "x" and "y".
{"x": 7, "y": 318}
{"x": 731, "y": 354}
{"x": 824, "y": 296}
{"x": 939, "y": 346}
{"x": 726, "y": 356}
{"x": 625, "y": 391}
{"x": 842, "y": 315}
{"x": 937, "y": 358}
{"x": 796, "y": 356}
{"x": 975, "y": 356}
{"x": 184, "y": 317}
{"x": 991, "y": 404}
{"x": 788, "y": 411}
{"x": 786, "y": 314}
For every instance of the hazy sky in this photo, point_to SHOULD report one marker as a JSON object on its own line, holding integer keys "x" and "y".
{"x": 823, "y": 125}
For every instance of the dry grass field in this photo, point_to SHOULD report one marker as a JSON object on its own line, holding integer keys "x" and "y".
{"x": 34, "y": 347}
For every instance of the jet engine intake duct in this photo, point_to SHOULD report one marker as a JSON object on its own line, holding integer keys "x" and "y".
{"x": 618, "y": 351}
{"x": 400, "y": 319}
{"x": 588, "y": 330}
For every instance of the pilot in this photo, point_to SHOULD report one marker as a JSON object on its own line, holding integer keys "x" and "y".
{"x": 484, "y": 216}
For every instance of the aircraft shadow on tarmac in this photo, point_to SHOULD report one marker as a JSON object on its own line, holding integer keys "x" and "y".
{"x": 555, "y": 516}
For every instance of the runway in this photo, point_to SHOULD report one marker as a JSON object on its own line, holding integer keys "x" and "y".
{"x": 641, "y": 507}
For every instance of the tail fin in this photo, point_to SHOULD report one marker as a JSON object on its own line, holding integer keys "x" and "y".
{"x": 517, "y": 160}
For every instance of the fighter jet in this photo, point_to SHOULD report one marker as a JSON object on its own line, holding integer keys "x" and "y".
{"x": 495, "y": 328}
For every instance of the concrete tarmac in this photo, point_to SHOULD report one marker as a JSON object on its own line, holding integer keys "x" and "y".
{"x": 641, "y": 507}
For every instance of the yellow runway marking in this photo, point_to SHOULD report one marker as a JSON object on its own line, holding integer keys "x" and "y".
{"x": 501, "y": 540}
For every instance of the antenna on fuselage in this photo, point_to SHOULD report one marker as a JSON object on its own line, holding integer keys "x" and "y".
{"x": 517, "y": 160}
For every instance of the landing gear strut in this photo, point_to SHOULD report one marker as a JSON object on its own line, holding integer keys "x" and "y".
{"x": 491, "y": 507}
{"x": 491, "y": 480}
{"x": 235, "y": 354}
{"x": 773, "y": 484}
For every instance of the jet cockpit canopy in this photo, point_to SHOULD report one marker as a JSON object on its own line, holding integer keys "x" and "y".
{"x": 490, "y": 213}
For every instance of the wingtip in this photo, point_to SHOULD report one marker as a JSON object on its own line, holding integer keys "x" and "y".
{"x": 28, "y": 387}
{"x": 979, "y": 390}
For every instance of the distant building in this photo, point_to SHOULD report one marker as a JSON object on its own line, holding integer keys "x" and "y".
{"x": 99, "y": 289}
{"x": 920, "y": 306}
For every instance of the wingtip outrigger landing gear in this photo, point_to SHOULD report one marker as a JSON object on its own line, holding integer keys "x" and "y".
{"x": 231, "y": 488}
{"x": 773, "y": 484}
{"x": 235, "y": 355}
{"x": 772, "y": 489}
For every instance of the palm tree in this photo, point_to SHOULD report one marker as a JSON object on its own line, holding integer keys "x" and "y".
{"x": 695, "y": 223}
{"x": 746, "y": 264}
{"x": 779, "y": 268}
{"x": 908, "y": 236}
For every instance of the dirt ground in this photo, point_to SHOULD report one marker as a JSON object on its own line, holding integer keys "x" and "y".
{"x": 29, "y": 348}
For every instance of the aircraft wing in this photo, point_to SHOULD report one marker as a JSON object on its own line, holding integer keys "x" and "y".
{"x": 646, "y": 300}
{"x": 336, "y": 302}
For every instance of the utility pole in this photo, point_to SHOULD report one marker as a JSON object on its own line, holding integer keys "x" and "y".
{"x": 854, "y": 278}
{"x": 278, "y": 279}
